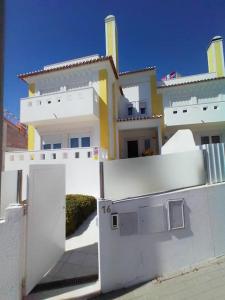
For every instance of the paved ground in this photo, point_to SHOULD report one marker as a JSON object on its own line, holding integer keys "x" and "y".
{"x": 205, "y": 283}
{"x": 81, "y": 255}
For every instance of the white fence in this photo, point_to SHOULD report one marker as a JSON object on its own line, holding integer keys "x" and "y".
{"x": 9, "y": 190}
{"x": 32, "y": 242}
{"x": 55, "y": 155}
{"x": 82, "y": 174}
{"x": 145, "y": 175}
{"x": 215, "y": 162}
{"x": 160, "y": 234}
{"x": 11, "y": 253}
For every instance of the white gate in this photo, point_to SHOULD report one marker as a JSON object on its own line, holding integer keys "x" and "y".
{"x": 45, "y": 241}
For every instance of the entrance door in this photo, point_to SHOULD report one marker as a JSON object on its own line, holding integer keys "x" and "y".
{"x": 132, "y": 149}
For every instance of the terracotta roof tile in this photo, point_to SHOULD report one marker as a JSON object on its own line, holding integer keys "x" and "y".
{"x": 70, "y": 66}
{"x": 137, "y": 118}
{"x": 137, "y": 71}
{"x": 190, "y": 82}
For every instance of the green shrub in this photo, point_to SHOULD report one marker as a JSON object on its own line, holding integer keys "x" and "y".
{"x": 78, "y": 208}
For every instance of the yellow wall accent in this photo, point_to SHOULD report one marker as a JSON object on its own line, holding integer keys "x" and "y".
{"x": 114, "y": 119}
{"x": 103, "y": 109}
{"x": 31, "y": 90}
{"x": 211, "y": 66}
{"x": 157, "y": 102}
{"x": 31, "y": 129}
{"x": 31, "y": 137}
{"x": 215, "y": 58}
{"x": 157, "y": 105}
{"x": 112, "y": 41}
{"x": 219, "y": 62}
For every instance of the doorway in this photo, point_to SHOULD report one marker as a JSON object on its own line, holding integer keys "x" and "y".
{"x": 132, "y": 149}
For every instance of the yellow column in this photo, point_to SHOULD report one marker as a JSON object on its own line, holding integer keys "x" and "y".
{"x": 31, "y": 129}
{"x": 216, "y": 57}
{"x": 157, "y": 102}
{"x": 111, "y": 38}
{"x": 103, "y": 109}
{"x": 114, "y": 119}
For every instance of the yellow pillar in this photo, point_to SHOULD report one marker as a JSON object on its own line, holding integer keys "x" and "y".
{"x": 157, "y": 102}
{"x": 215, "y": 57}
{"x": 103, "y": 109}
{"x": 31, "y": 129}
{"x": 114, "y": 120}
{"x": 111, "y": 37}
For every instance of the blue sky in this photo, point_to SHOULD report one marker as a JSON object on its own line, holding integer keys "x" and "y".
{"x": 171, "y": 35}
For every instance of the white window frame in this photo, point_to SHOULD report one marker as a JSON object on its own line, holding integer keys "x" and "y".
{"x": 169, "y": 202}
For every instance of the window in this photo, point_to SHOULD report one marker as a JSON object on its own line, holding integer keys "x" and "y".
{"x": 130, "y": 111}
{"x": 47, "y": 146}
{"x": 85, "y": 142}
{"x": 184, "y": 111}
{"x": 147, "y": 144}
{"x": 205, "y": 108}
{"x": 57, "y": 146}
{"x": 204, "y": 140}
{"x": 143, "y": 110}
{"x": 74, "y": 143}
{"x": 175, "y": 112}
{"x": 215, "y": 139}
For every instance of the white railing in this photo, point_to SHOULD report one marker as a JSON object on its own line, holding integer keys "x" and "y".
{"x": 57, "y": 155}
{"x": 195, "y": 114}
{"x": 185, "y": 79}
{"x": 81, "y": 102}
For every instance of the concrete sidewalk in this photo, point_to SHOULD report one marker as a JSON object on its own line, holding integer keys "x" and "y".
{"x": 81, "y": 254}
{"x": 204, "y": 283}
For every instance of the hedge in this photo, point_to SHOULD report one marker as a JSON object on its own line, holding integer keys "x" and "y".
{"x": 78, "y": 208}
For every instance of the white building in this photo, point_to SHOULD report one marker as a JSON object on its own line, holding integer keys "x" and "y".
{"x": 197, "y": 102}
{"x": 85, "y": 108}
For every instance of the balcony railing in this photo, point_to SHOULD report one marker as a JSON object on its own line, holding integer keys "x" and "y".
{"x": 195, "y": 114}
{"x": 59, "y": 155}
{"x": 79, "y": 104}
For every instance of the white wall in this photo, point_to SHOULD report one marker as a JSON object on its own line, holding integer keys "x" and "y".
{"x": 136, "y": 87}
{"x": 159, "y": 173}
{"x": 149, "y": 249}
{"x": 8, "y": 190}
{"x": 183, "y": 105}
{"x": 54, "y": 107}
{"x": 82, "y": 175}
{"x": 181, "y": 141}
{"x": 11, "y": 253}
{"x": 61, "y": 133}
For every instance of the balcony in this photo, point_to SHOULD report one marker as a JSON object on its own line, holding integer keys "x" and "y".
{"x": 77, "y": 104}
{"x": 200, "y": 113}
{"x": 129, "y": 109}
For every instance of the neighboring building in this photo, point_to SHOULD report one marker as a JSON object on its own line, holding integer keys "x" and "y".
{"x": 14, "y": 136}
{"x": 197, "y": 102}
{"x": 87, "y": 103}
